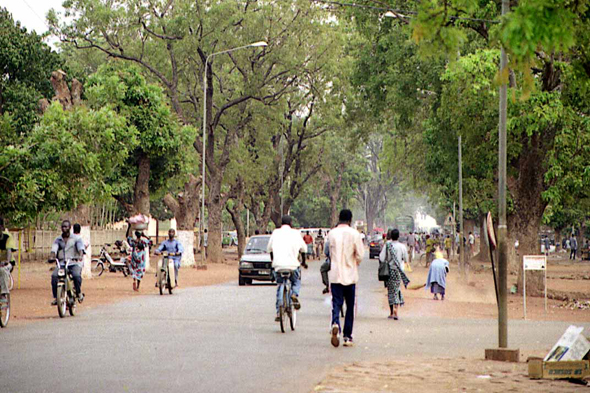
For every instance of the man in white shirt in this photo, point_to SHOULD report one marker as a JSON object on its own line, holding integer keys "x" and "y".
{"x": 284, "y": 246}
{"x": 345, "y": 249}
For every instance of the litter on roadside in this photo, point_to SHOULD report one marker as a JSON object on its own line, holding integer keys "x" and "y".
{"x": 569, "y": 358}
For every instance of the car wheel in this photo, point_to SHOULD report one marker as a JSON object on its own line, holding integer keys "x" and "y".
{"x": 248, "y": 281}
{"x": 241, "y": 280}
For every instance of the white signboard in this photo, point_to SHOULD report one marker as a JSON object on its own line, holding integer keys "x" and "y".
{"x": 533, "y": 262}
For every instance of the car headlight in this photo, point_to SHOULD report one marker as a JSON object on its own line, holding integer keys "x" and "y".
{"x": 246, "y": 265}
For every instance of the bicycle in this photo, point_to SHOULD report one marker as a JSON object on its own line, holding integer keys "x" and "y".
{"x": 286, "y": 309}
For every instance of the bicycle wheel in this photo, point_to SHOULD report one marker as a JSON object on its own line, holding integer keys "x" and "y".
{"x": 61, "y": 301}
{"x": 282, "y": 311}
{"x": 10, "y": 283}
{"x": 4, "y": 310}
{"x": 292, "y": 316}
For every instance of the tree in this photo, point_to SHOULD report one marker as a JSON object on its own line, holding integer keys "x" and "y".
{"x": 26, "y": 63}
{"x": 171, "y": 43}
{"x": 159, "y": 153}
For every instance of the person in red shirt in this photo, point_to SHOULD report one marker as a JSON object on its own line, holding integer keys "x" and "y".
{"x": 309, "y": 242}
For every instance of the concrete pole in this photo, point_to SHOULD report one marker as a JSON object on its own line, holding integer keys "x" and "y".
{"x": 461, "y": 233}
{"x": 502, "y": 227}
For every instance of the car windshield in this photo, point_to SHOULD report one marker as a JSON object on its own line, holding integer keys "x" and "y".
{"x": 257, "y": 245}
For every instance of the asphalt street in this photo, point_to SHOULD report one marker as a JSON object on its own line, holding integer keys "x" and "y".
{"x": 223, "y": 338}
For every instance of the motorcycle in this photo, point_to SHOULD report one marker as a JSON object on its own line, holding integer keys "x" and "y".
{"x": 165, "y": 277}
{"x": 105, "y": 261}
{"x": 66, "y": 293}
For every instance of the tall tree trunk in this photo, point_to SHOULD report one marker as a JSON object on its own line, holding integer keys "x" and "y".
{"x": 141, "y": 191}
{"x": 335, "y": 196}
{"x": 525, "y": 221}
{"x": 239, "y": 225}
{"x": 186, "y": 206}
{"x": 484, "y": 247}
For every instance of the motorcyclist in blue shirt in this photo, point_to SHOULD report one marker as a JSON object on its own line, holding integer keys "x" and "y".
{"x": 172, "y": 245}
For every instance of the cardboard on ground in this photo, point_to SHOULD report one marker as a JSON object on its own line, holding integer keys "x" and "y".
{"x": 571, "y": 346}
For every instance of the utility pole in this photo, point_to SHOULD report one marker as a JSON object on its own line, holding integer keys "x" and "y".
{"x": 502, "y": 228}
{"x": 454, "y": 230}
{"x": 461, "y": 247}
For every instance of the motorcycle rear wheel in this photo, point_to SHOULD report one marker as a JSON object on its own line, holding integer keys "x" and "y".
{"x": 61, "y": 301}
{"x": 5, "y": 311}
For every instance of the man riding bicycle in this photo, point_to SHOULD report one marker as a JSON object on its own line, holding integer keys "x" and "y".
{"x": 66, "y": 247}
{"x": 284, "y": 246}
{"x": 6, "y": 261}
{"x": 172, "y": 245}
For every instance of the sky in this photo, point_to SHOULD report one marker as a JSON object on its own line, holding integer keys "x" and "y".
{"x": 31, "y": 13}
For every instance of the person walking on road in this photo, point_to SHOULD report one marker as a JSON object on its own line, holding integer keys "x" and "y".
{"x": 345, "y": 249}
{"x": 138, "y": 257}
{"x": 411, "y": 247}
{"x": 437, "y": 277}
{"x": 396, "y": 255}
{"x": 573, "y": 247}
{"x": 448, "y": 246}
{"x": 284, "y": 246}
{"x": 309, "y": 244}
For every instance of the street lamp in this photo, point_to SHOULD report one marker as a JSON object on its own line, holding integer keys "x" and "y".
{"x": 202, "y": 225}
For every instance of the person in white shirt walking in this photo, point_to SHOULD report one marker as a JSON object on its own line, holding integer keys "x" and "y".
{"x": 345, "y": 249}
{"x": 284, "y": 246}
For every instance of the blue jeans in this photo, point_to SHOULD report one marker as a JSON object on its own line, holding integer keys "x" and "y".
{"x": 295, "y": 285}
{"x": 341, "y": 293}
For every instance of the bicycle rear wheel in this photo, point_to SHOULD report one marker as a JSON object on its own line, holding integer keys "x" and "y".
{"x": 292, "y": 317}
{"x": 4, "y": 310}
{"x": 10, "y": 283}
{"x": 283, "y": 311}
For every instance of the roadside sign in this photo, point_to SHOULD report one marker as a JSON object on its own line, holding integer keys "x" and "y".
{"x": 533, "y": 262}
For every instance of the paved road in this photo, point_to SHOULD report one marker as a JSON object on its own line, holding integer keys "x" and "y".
{"x": 224, "y": 339}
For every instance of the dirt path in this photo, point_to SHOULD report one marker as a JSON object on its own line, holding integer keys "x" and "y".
{"x": 475, "y": 299}
{"x": 32, "y": 301}
{"x": 439, "y": 375}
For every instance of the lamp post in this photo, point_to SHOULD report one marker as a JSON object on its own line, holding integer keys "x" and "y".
{"x": 202, "y": 220}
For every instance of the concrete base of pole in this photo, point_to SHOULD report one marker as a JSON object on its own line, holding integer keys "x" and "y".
{"x": 503, "y": 355}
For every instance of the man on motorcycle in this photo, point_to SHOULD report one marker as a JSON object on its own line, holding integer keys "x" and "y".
{"x": 173, "y": 246}
{"x": 65, "y": 247}
{"x": 284, "y": 246}
{"x": 6, "y": 262}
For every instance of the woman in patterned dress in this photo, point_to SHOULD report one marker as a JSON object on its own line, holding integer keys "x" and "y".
{"x": 137, "y": 262}
{"x": 394, "y": 255}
